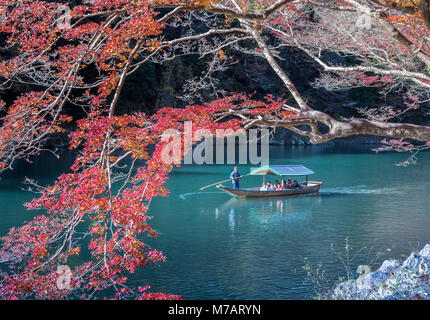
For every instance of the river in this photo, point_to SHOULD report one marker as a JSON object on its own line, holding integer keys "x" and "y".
{"x": 219, "y": 247}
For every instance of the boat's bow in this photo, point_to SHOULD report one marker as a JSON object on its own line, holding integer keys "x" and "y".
{"x": 230, "y": 191}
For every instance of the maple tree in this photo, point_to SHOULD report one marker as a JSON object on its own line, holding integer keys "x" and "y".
{"x": 80, "y": 53}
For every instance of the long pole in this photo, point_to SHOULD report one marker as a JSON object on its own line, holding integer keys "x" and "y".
{"x": 223, "y": 181}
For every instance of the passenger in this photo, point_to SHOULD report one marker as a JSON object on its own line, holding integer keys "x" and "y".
{"x": 295, "y": 184}
{"x": 278, "y": 186}
{"x": 269, "y": 186}
{"x": 263, "y": 187}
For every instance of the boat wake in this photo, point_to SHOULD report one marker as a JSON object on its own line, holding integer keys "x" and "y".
{"x": 189, "y": 194}
{"x": 359, "y": 190}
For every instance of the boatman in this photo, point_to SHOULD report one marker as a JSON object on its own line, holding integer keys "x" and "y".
{"x": 235, "y": 176}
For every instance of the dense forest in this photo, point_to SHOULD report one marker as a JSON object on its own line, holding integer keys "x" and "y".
{"x": 157, "y": 85}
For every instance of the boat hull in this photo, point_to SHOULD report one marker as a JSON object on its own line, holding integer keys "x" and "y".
{"x": 313, "y": 186}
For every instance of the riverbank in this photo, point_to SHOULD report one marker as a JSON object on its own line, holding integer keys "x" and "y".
{"x": 282, "y": 136}
{"x": 279, "y": 137}
{"x": 394, "y": 280}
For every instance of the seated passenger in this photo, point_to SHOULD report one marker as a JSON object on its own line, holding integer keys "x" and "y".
{"x": 269, "y": 186}
{"x": 295, "y": 184}
{"x": 278, "y": 187}
{"x": 263, "y": 187}
{"x": 289, "y": 183}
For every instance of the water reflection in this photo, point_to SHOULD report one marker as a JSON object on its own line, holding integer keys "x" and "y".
{"x": 231, "y": 219}
{"x": 272, "y": 204}
{"x": 274, "y": 213}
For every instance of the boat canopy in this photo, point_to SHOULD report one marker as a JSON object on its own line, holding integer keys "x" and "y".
{"x": 282, "y": 170}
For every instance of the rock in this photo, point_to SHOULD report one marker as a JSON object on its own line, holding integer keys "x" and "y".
{"x": 389, "y": 265}
{"x": 392, "y": 281}
{"x": 416, "y": 262}
{"x": 425, "y": 252}
{"x": 345, "y": 291}
{"x": 376, "y": 279}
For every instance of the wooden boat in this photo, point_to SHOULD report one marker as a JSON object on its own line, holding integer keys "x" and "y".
{"x": 313, "y": 186}
{"x": 278, "y": 170}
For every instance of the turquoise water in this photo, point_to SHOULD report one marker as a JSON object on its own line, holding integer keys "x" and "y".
{"x": 219, "y": 247}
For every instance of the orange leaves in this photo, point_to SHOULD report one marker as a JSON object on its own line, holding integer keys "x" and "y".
{"x": 414, "y": 21}
{"x": 412, "y": 18}
{"x": 221, "y": 54}
{"x": 75, "y": 251}
{"x": 205, "y": 3}
{"x": 152, "y": 45}
{"x": 6, "y": 70}
{"x": 403, "y": 3}
{"x": 109, "y": 85}
{"x": 65, "y": 118}
{"x": 98, "y": 230}
{"x": 288, "y": 114}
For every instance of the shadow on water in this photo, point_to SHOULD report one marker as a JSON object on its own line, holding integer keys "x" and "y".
{"x": 273, "y": 212}
{"x": 261, "y": 203}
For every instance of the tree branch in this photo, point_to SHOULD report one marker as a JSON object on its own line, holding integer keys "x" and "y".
{"x": 275, "y": 66}
{"x": 221, "y": 9}
{"x": 341, "y": 129}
